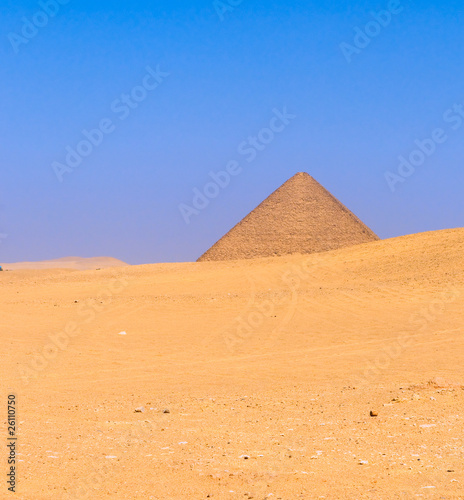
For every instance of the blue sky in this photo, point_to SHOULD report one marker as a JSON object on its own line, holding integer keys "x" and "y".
{"x": 223, "y": 71}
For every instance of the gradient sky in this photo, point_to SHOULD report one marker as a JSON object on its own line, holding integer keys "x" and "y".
{"x": 226, "y": 76}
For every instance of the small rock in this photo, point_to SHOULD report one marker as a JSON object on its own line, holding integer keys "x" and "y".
{"x": 140, "y": 409}
{"x": 363, "y": 462}
{"x": 166, "y": 411}
{"x": 373, "y": 413}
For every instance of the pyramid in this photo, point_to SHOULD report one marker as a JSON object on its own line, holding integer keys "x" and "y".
{"x": 300, "y": 217}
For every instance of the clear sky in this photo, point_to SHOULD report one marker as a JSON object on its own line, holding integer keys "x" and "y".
{"x": 264, "y": 88}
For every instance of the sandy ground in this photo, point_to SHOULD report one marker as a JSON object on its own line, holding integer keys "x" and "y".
{"x": 256, "y": 377}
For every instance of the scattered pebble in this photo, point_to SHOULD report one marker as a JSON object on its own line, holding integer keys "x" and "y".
{"x": 122, "y": 333}
{"x": 140, "y": 409}
{"x": 373, "y": 413}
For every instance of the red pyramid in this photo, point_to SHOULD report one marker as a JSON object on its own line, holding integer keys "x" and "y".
{"x": 299, "y": 217}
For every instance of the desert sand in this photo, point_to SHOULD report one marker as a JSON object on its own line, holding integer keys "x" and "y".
{"x": 253, "y": 378}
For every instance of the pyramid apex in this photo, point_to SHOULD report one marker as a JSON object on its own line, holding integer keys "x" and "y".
{"x": 302, "y": 176}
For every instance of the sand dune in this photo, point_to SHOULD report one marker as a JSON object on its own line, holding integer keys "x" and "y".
{"x": 269, "y": 369}
{"x": 80, "y": 263}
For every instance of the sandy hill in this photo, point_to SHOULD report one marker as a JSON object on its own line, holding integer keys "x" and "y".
{"x": 256, "y": 377}
{"x": 80, "y": 263}
{"x": 300, "y": 217}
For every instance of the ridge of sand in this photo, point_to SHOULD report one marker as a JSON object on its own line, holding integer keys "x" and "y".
{"x": 78, "y": 263}
{"x": 269, "y": 369}
{"x": 301, "y": 216}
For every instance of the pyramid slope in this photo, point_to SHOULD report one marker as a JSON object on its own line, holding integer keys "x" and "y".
{"x": 299, "y": 217}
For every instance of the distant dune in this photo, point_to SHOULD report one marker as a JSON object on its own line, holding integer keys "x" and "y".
{"x": 78, "y": 263}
